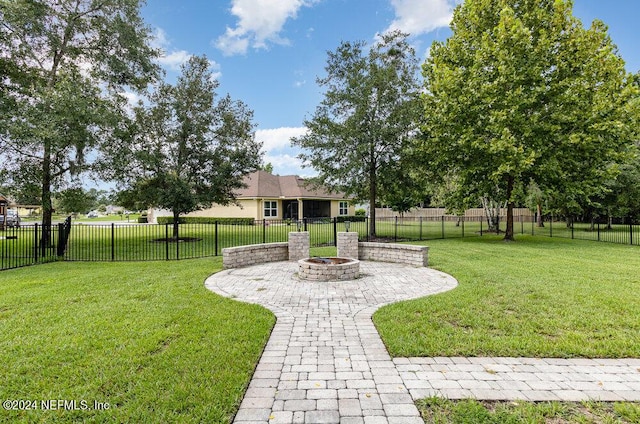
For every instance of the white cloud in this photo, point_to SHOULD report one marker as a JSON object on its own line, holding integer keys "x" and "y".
{"x": 279, "y": 152}
{"x": 260, "y": 23}
{"x": 173, "y": 59}
{"x": 420, "y": 16}
{"x": 159, "y": 39}
{"x": 278, "y": 138}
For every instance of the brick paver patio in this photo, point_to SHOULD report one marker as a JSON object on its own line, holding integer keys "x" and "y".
{"x": 325, "y": 362}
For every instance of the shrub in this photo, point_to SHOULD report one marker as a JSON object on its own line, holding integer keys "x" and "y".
{"x": 356, "y": 218}
{"x": 163, "y": 220}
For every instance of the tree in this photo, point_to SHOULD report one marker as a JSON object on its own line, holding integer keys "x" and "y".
{"x": 268, "y": 167}
{"x": 368, "y": 116}
{"x": 190, "y": 150}
{"x": 522, "y": 92}
{"x": 77, "y": 200}
{"x": 65, "y": 66}
{"x": 405, "y": 191}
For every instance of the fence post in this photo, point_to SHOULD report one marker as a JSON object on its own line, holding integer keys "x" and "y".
{"x": 113, "y": 242}
{"x": 521, "y": 224}
{"x": 481, "y": 219}
{"x": 367, "y": 226}
{"x": 215, "y": 236}
{"x": 532, "y": 227}
{"x": 178, "y": 242}
{"x": 420, "y": 228}
{"x": 304, "y": 220}
{"x": 335, "y": 231}
{"x": 166, "y": 240}
{"x": 598, "y": 231}
{"x": 264, "y": 231}
{"x": 442, "y": 218}
{"x": 35, "y": 243}
{"x": 395, "y": 231}
{"x": 572, "y": 236}
{"x": 631, "y": 233}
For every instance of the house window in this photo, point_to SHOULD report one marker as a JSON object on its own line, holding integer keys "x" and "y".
{"x": 344, "y": 208}
{"x": 270, "y": 208}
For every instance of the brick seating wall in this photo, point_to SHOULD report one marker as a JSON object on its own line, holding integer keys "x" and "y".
{"x": 254, "y": 254}
{"x": 390, "y": 252}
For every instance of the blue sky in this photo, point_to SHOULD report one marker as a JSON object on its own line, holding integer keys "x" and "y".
{"x": 268, "y": 53}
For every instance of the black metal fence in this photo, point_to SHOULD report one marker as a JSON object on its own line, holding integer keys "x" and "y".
{"x": 147, "y": 242}
{"x": 32, "y": 244}
{"x": 604, "y": 229}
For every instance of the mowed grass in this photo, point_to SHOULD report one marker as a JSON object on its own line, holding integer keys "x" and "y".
{"x": 537, "y": 297}
{"x": 442, "y": 411}
{"x": 147, "y": 338}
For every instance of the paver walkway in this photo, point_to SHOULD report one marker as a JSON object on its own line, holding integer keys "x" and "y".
{"x": 325, "y": 362}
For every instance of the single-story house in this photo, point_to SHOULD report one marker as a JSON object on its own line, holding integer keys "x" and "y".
{"x": 277, "y": 197}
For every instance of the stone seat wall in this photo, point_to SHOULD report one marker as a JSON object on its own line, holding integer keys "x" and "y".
{"x": 254, "y": 254}
{"x": 391, "y": 252}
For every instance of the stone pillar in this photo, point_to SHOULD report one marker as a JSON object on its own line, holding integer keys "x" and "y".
{"x": 348, "y": 245}
{"x": 299, "y": 245}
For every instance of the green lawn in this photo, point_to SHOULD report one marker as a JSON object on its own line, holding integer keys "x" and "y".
{"x": 146, "y": 338}
{"x": 537, "y": 297}
{"x": 442, "y": 411}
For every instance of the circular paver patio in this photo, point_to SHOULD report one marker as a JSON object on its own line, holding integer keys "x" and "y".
{"x": 325, "y": 362}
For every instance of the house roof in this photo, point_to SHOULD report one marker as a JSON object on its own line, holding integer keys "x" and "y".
{"x": 261, "y": 184}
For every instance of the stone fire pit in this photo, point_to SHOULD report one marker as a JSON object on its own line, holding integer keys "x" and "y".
{"x": 328, "y": 269}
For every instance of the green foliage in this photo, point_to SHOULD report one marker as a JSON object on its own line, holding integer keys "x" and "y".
{"x": 66, "y": 64}
{"x": 268, "y": 168}
{"x": 75, "y": 200}
{"x": 189, "y": 150}
{"x": 355, "y": 218}
{"x": 523, "y": 92}
{"x": 206, "y": 220}
{"x": 367, "y": 118}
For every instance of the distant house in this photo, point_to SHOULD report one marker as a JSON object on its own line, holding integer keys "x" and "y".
{"x": 276, "y": 197}
{"x": 112, "y": 209}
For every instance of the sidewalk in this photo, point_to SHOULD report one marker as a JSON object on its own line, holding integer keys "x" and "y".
{"x": 326, "y": 363}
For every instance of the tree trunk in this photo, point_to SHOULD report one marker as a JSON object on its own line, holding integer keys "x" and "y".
{"x": 47, "y": 207}
{"x": 176, "y": 225}
{"x": 492, "y": 212}
{"x": 540, "y": 221}
{"x": 509, "y": 235}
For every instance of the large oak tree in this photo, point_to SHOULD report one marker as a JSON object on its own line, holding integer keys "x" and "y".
{"x": 522, "y": 92}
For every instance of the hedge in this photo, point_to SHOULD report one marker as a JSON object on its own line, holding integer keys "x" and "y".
{"x": 206, "y": 220}
{"x": 249, "y": 221}
{"x": 356, "y": 218}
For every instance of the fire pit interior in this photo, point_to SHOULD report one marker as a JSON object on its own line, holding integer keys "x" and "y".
{"x": 328, "y": 269}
